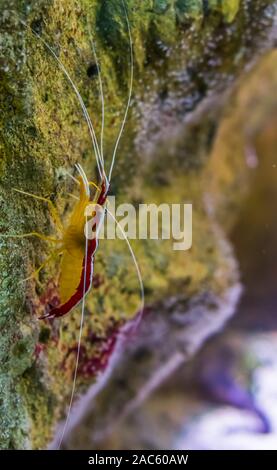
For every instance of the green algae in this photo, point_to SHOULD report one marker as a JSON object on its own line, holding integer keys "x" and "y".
{"x": 229, "y": 8}
{"x": 189, "y": 9}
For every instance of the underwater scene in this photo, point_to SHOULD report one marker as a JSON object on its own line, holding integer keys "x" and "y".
{"x": 138, "y": 225}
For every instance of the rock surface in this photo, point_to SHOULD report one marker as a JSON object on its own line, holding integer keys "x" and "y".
{"x": 187, "y": 57}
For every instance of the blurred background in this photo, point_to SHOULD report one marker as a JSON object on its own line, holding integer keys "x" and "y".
{"x": 226, "y": 396}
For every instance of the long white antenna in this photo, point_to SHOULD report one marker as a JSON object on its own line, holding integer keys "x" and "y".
{"x": 134, "y": 260}
{"x": 84, "y": 109}
{"x": 84, "y": 177}
{"x": 101, "y": 94}
{"x": 86, "y": 183}
{"x": 71, "y": 176}
{"x": 111, "y": 215}
{"x": 78, "y": 348}
{"x": 100, "y": 164}
{"x": 130, "y": 91}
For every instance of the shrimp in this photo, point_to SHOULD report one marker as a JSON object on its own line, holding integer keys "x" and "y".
{"x": 76, "y": 268}
{"x": 74, "y": 264}
{"x": 74, "y": 259}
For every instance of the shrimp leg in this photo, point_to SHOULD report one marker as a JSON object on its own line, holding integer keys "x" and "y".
{"x": 53, "y": 255}
{"x": 52, "y": 208}
{"x": 34, "y": 234}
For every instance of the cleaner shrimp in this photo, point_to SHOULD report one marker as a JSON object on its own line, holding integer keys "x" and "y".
{"x": 77, "y": 250}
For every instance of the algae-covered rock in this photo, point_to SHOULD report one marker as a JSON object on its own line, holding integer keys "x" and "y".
{"x": 186, "y": 54}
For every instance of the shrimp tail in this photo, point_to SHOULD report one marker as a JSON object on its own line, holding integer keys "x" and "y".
{"x": 83, "y": 287}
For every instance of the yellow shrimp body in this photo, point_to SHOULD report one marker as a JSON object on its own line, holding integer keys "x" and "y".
{"x": 74, "y": 247}
{"x": 72, "y": 243}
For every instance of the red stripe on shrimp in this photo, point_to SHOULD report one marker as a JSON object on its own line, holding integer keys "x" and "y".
{"x": 86, "y": 279}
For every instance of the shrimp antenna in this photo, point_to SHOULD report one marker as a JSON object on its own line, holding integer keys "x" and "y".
{"x": 130, "y": 91}
{"x": 83, "y": 176}
{"x": 100, "y": 164}
{"x": 78, "y": 349}
{"x": 134, "y": 260}
{"x": 100, "y": 167}
{"x": 101, "y": 93}
{"x": 86, "y": 183}
{"x": 82, "y": 318}
{"x": 72, "y": 177}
